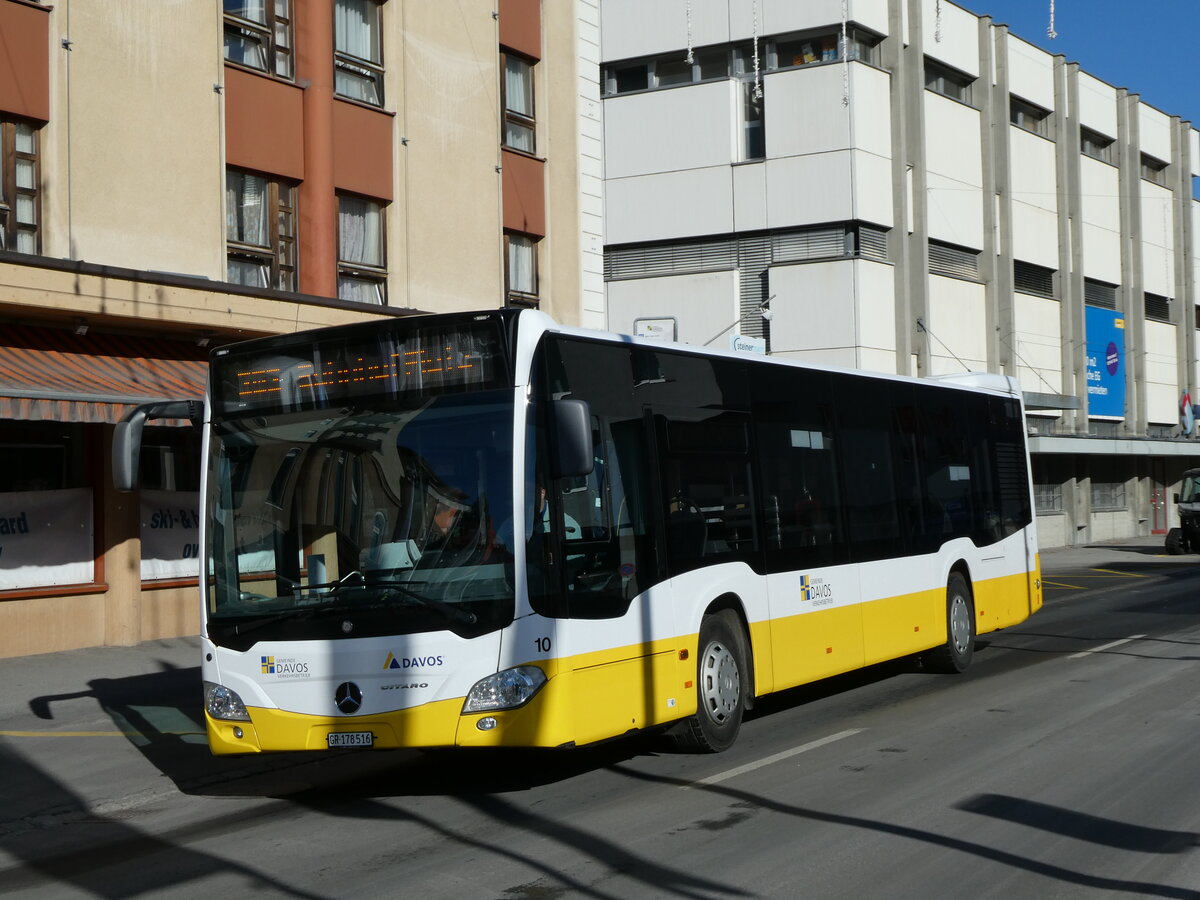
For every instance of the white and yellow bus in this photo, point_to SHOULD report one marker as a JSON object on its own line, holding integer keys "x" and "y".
{"x": 489, "y": 530}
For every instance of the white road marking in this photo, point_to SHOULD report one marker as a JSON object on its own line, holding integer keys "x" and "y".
{"x": 1082, "y": 653}
{"x": 771, "y": 760}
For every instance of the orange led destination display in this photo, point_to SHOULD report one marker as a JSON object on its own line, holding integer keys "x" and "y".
{"x": 299, "y": 373}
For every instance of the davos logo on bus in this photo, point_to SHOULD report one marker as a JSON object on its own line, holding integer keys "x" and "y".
{"x": 284, "y": 668}
{"x": 816, "y": 591}
{"x": 412, "y": 662}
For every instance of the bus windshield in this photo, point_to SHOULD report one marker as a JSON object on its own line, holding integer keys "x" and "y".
{"x": 362, "y": 520}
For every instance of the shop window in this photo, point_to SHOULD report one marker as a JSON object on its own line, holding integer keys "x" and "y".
{"x": 260, "y": 231}
{"x": 20, "y": 197}
{"x": 258, "y": 35}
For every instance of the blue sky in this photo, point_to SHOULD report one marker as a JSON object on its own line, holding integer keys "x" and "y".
{"x": 1147, "y": 46}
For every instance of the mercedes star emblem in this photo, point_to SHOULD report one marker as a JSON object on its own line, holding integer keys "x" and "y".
{"x": 348, "y": 697}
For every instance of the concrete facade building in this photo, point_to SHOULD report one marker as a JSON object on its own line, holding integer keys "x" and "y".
{"x": 904, "y": 186}
{"x": 176, "y": 175}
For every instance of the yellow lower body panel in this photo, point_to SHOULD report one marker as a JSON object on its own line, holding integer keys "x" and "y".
{"x": 431, "y": 725}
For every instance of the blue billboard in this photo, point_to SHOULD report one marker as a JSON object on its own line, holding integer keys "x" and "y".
{"x": 1105, "y": 362}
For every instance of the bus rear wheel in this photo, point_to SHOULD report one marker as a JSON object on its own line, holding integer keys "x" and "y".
{"x": 955, "y": 655}
{"x": 722, "y": 682}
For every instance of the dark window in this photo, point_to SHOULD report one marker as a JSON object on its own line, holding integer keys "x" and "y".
{"x": 754, "y": 137}
{"x": 1158, "y": 307}
{"x": 170, "y": 460}
{"x": 358, "y": 50}
{"x": 602, "y": 521}
{"x": 258, "y": 34}
{"x": 797, "y": 452}
{"x": 20, "y": 195}
{"x": 1029, "y": 278}
{"x": 520, "y": 127}
{"x": 362, "y": 255}
{"x": 1030, "y": 117}
{"x": 948, "y": 82}
{"x": 1095, "y": 145}
{"x": 1154, "y": 169}
{"x": 42, "y": 456}
{"x": 627, "y": 78}
{"x": 260, "y": 230}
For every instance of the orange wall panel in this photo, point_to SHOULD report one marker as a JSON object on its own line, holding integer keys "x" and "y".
{"x": 264, "y": 124}
{"x": 521, "y": 26}
{"x": 25, "y": 60}
{"x": 362, "y": 150}
{"x": 524, "y": 193}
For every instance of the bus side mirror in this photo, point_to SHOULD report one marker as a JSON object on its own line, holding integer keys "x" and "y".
{"x": 571, "y": 450}
{"x": 127, "y": 436}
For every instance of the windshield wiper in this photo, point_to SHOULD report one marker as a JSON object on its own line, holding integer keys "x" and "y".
{"x": 449, "y": 610}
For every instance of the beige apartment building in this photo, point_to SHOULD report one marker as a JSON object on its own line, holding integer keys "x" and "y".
{"x": 178, "y": 175}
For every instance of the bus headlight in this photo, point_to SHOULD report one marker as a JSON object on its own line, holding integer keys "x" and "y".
{"x": 505, "y": 690}
{"x": 222, "y": 703}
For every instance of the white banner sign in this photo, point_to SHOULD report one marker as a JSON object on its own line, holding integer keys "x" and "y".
{"x": 170, "y": 534}
{"x": 46, "y": 538}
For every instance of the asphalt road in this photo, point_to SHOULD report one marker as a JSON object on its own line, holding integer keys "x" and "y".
{"x": 1063, "y": 764}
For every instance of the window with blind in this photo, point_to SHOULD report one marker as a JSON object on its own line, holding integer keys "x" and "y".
{"x": 1029, "y": 278}
{"x": 260, "y": 231}
{"x": 258, "y": 35}
{"x": 358, "y": 50}
{"x": 20, "y": 195}
{"x": 949, "y": 259}
{"x": 362, "y": 261}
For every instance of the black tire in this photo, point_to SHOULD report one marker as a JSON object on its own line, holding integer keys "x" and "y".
{"x": 1174, "y": 542}
{"x": 955, "y": 655}
{"x": 722, "y": 686}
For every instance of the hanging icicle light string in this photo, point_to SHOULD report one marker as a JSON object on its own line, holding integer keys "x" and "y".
{"x": 758, "y": 92}
{"x": 845, "y": 54}
{"x": 691, "y": 57}
{"x": 1050, "y": 32}
{"x": 937, "y": 21}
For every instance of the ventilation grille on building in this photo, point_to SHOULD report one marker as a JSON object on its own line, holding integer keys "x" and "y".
{"x": 872, "y": 242}
{"x": 670, "y": 259}
{"x": 1031, "y": 279}
{"x": 814, "y": 243}
{"x": 1158, "y": 308}
{"x": 947, "y": 259}
{"x": 1097, "y": 293}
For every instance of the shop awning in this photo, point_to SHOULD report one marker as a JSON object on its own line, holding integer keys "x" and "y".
{"x": 56, "y": 375}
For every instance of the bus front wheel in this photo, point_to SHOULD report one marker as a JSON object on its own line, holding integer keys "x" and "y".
{"x": 722, "y": 681}
{"x": 955, "y": 655}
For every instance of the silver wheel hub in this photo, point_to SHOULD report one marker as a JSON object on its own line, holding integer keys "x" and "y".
{"x": 960, "y": 623}
{"x": 721, "y": 684}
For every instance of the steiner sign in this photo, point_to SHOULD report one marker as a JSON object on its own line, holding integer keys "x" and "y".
{"x": 1105, "y": 362}
{"x": 46, "y": 538}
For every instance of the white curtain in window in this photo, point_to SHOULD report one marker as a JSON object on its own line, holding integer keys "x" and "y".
{"x": 254, "y": 10}
{"x": 521, "y": 265}
{"x": 245, "y": 209}
{"x": 518, "y": 86}
{"x": 360, "y": 290}
{"x": 360, "y": 231}
{"x": 356, "y": 29}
